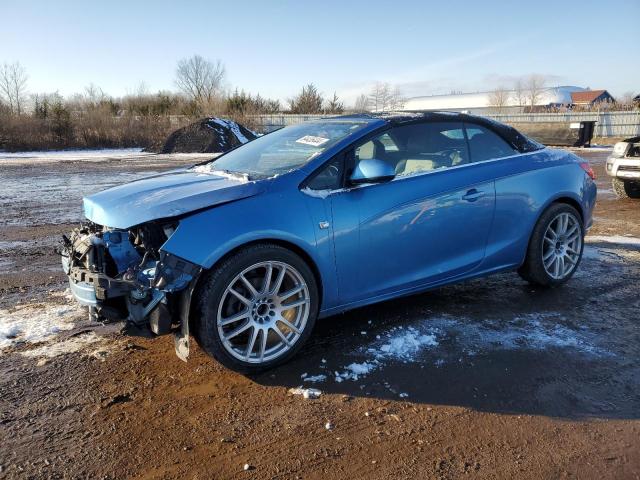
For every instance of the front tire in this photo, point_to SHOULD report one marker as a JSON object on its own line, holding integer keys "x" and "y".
{"x": 625, "y": 188}
{"x": 555, "y": 247}
{"x": 257, "y": 308}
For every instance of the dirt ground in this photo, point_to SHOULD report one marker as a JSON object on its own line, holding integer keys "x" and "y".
{"x": 497, "y": 380}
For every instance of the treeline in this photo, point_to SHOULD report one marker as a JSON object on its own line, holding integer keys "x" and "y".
{"x": 81, "y": 121}
{"x": 94, "y": 119}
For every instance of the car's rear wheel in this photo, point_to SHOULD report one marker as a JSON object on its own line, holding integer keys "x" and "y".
{"x": 625, "y": 188}
{"x": 257, "y": 308}
{"x": 555, "y": 247}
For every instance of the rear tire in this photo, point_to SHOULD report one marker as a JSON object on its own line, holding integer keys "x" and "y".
{"x": 625, "y": 188}
{"x": 242, "y": 319}
{"x": 555, "y": 247}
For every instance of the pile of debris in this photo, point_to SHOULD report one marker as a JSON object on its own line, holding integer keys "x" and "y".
{"x": 209, "y": 135}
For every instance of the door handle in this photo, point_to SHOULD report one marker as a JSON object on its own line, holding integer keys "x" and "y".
{"x": 472, "y": 195}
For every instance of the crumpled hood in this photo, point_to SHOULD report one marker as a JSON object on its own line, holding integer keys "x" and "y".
{"x": 165, "y": 195}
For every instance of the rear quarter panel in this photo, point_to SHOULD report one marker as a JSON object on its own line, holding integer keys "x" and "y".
{"x": 524, "y": 189}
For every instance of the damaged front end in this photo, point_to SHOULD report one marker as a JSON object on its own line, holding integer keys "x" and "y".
{"x": 124, "y": 275}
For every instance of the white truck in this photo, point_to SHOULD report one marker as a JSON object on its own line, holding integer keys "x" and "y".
{"x": 623, "y": 165}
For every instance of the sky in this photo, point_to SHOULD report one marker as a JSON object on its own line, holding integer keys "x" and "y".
{"x": 275, "y": 47}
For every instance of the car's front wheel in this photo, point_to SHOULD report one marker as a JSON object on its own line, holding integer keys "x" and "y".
{"x": 555, "y": 247}
{"x": 625, "y": 188}
{"x": 257, "y": 308}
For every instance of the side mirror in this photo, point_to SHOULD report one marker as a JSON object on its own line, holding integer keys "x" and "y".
{"x": 372, "y": 171}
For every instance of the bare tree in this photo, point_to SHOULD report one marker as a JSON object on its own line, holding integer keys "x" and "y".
{"x": 499, "y": 98}
{"x": 309, "y": 100}
{"x": 625, "y": 101}
{"x": 380, "y": 97}
{"x": 200, "y": 79}
{"x": 396, "y": 99}
{"x": 519, "y": 93}
{"x": 362, "y": 104}
{"x": 93, "y": 95}
{"x": 535, "y": 85}
{"x": 375, "y": 97}
{"x": 13, "y": 86}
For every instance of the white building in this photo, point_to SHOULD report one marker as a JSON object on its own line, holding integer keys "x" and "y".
{"x": 485, "y": 101}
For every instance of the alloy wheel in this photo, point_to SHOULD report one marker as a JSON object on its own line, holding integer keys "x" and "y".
{"x": 263, "y": 312}
{"x": 561, "y": 246}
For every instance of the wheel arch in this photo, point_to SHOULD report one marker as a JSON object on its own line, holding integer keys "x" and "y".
{"x": 295, "y": 248}
{"x": 562, "y": 199}
{"x": 568, "y": 201}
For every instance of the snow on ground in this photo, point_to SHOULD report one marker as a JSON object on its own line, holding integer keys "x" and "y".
{"x": 97, "y": 156}
{"x": 404, "y": 345}
{"x": 619, "y": 239}
{"x": 448, "y": 339}
{"x": 306, "y": 392}
{"x": 74, "y": 155}
{"x": 89, "y": 342}
{"x": 39, "y": 322}
{"x": 536, "y": 331}
{"x": 314, "y": 378}
{"x": 399, "y": 344}
{"x": 231, "y": 125}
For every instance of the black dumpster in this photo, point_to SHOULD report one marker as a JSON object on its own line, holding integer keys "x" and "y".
{"x": 586, "y": 133}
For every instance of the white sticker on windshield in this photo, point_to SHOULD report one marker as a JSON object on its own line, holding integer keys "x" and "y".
{"x": 313, "y": 141}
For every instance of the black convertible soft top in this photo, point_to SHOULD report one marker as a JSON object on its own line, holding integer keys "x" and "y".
{"x": 521, "y": 142}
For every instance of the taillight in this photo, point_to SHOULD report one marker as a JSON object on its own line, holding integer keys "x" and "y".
{"x": 587, "y": 168}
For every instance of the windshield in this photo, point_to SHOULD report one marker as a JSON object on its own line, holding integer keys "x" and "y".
{"x": 283, "y": 150}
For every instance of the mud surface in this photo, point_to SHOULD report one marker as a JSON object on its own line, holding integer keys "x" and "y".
{"x": 487, "y": 379}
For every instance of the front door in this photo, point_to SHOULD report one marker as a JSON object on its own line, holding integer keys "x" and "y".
{"x": 429, "y": 224}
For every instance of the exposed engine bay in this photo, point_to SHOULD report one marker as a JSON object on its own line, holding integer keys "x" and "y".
{"x": 124, "y": 275}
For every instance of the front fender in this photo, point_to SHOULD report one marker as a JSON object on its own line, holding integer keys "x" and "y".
{"x": 205, "y": 237}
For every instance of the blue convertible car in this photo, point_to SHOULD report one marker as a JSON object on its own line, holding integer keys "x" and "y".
{"x": 246, "y": 251}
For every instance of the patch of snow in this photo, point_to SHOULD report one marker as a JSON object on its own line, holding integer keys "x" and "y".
{"x": 536, "y": 331}
{"x": 10, "y": 245}
{"x": 308, "y": 393}
{"x": 5, "y": 265}
{"x": 355, "y": 370}
{"x": 539, "y": 331}
{"x": 315, "y": 378}
{"x": 209, "y": 169}
{"x": 74, "y": 155}
{"x": 231, "y": 125}
{"x": 405, "y": 346}
{"x": 37, "y": 322}
{"x": 321, "y": 193}
{"x": 618, "y": 239}
{"x": 70, "y": 345}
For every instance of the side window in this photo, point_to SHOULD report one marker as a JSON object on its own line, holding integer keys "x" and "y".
{"x": 389, "y": 144}
{"x": 418, "y": 148}
{"x": 366, "y": 151}
{"x": 486, "y": 145}
{"x": 329, "y": 177}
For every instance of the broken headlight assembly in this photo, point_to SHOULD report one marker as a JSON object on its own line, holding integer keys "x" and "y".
{"x": 124, "y": 274}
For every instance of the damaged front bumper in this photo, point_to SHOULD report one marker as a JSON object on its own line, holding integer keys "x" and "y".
{"x": 124, "y": 275}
